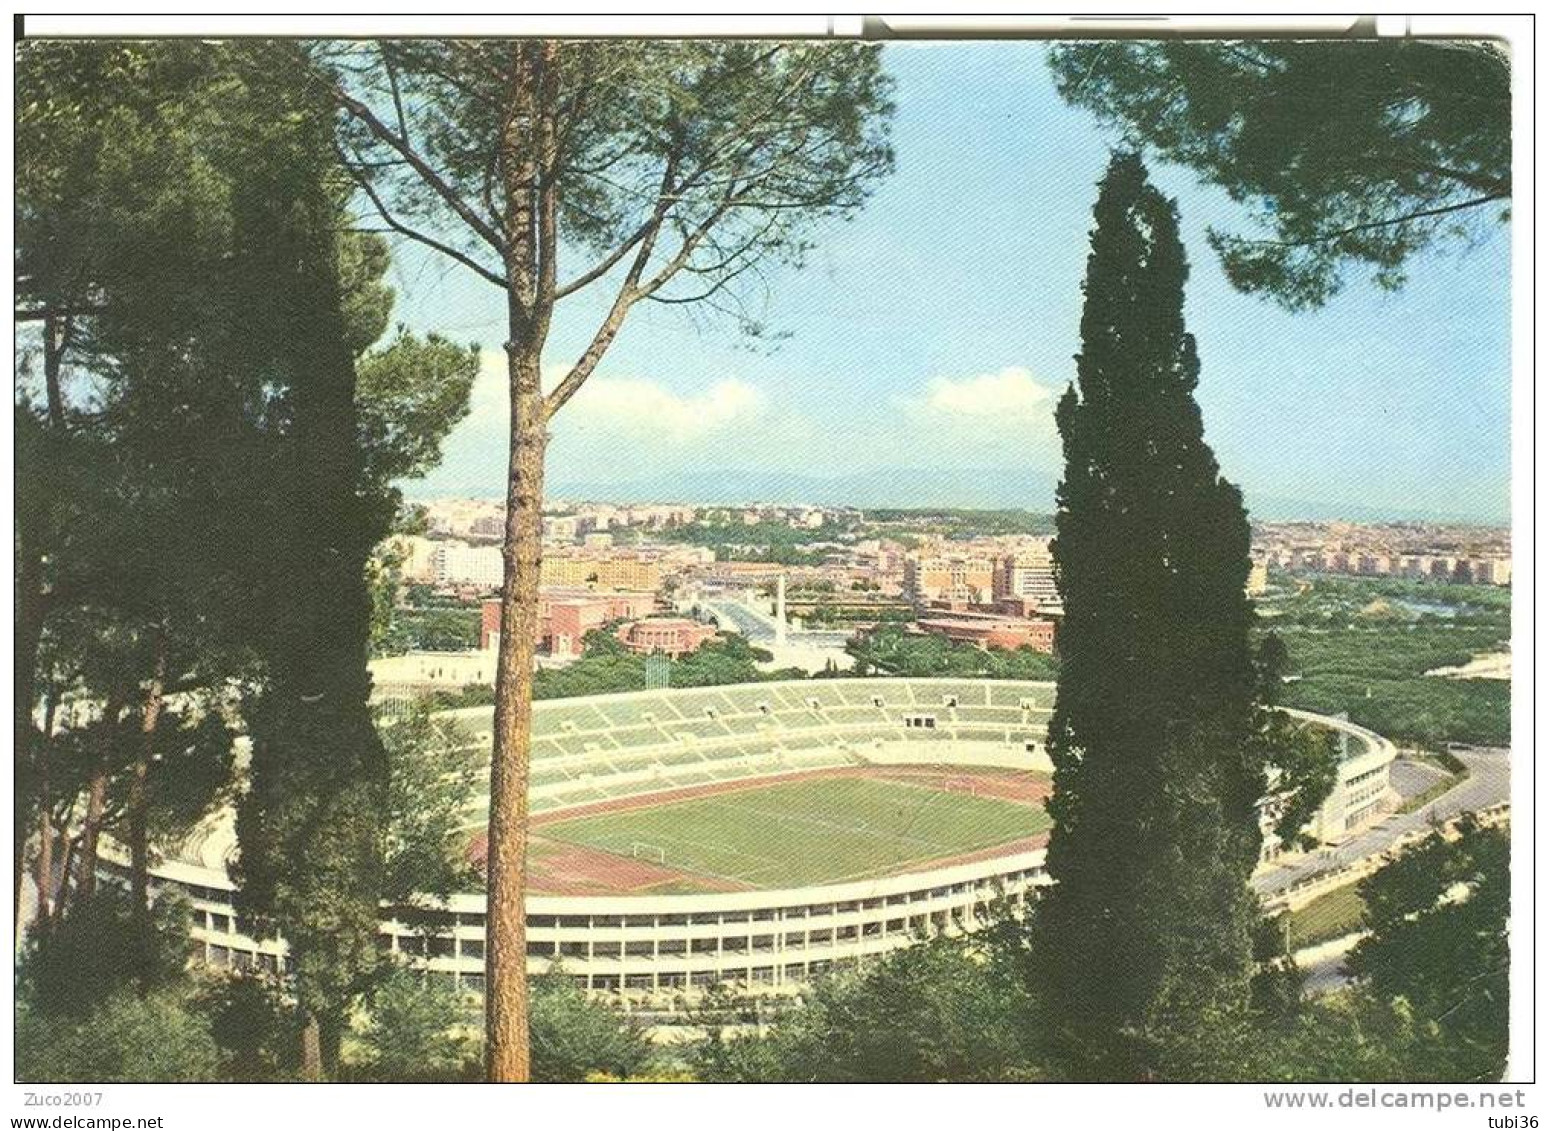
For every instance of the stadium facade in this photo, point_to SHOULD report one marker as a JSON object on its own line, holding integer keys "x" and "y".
{"x": 635, "y": 749}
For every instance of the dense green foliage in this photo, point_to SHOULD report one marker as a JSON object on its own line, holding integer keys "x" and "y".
{"x": 575, "y": 1036}
{"x": 1346, "y": 155}
{"x": 434, "y": 768}
{"x": 1438, "y": 920}
{"x": 415, "y": 1031}
{"x": 891, "y": 650}
{"x": 409, "y": 394}
{"x": 470, "y": 695}
{"x": 1148, "y": 926}
{"x": 764, "y": 541}
{"x": 96, "y": 1002}
{"x": 940, "y": 1011}
{"x": 204, "y": 303}
{"x": 161, "y": 1038}
{"x": 1355, "y": 647}
{"x": 310, "y": 828}
{"x": 254, "y": 1026}
{"x": 127, "y": 260}
{"x": 1334, "y": 600}
{"x": 85, "y": 957}
{"x": 429, "y": 630}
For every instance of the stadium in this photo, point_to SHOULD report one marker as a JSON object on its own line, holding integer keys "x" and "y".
{"x": 756, "y": 834}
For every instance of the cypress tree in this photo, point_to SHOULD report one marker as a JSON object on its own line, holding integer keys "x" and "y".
{"x": 1148, "y": 927}
{"x": 311, "y": 824}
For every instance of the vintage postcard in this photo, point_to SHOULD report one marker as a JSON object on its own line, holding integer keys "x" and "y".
{"x": 846, "y": 551}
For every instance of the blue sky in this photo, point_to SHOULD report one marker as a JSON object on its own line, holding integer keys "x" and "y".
{"x": 929, "y": 337}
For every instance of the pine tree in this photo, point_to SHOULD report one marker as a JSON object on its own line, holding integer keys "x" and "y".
{"x": 1156, "y": 781}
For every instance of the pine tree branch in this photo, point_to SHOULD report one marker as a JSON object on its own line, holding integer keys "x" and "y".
{"x": 628, "y": 294}
{"x": 412, "y": 233}
{"x": 1354, "y": 229}
{"x": 606, "y": 264}
{"x": 433, "y": 180}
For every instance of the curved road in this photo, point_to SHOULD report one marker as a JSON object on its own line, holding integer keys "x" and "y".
{"x": 1488, "y": 783}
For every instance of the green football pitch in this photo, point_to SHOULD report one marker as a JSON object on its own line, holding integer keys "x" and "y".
{"x": 796, "y": 834}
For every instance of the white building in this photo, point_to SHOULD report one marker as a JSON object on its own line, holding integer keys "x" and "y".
{"x": 559, "y": 528}
{"x": 1028, "y": 574}
{"x": 457, "y": 563}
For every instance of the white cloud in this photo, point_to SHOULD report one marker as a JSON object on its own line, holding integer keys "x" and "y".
{"x": 1012, "y": 392}
{"x": 630, "y": 404}
{"x": 640, "y": 405}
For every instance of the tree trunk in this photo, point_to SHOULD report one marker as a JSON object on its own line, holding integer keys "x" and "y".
{"x": 68, "y": 845}
{"x": 43, "y": 871}
{"x": 311, "y": 1051}
{"x": 96, "y": 804}
{"x": 56, "y": 338}
{"x": 506, "y": 1033}
{"x": 91, "y": 832}
{"x": 529, "y": 232}
{"x": 18, "y": 861}
{"x": 31, "y": 612}
{"x": 330, "y": 1042}
{"x": 138, "y": 813}
{"x": 43, "y": 864}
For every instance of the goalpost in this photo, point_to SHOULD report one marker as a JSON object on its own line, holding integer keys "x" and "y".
{"x": 641, "y": 850}
{"x": 959, "y": 783}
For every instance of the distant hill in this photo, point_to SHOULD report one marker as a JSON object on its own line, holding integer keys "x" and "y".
{"x": 987, "y": 488}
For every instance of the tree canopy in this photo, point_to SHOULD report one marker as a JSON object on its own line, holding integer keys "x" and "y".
{"x": 1155, "y": 819}
{"x": 1346, "y": 156}
{"x": 1438, "y": 920}
{"x": 186, "y": 251}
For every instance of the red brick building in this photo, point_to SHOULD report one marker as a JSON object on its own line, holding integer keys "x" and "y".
{"x": 673, "y": 636}
{"x": 988, "y": 630}
{"x": 566, "y": 615}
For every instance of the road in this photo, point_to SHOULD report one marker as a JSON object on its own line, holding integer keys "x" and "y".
{"x": 1410, "y": 777}
{"x": 734, "y": 614}
{"x": 1488, "y": 783}
{"x": 759, "y": 626}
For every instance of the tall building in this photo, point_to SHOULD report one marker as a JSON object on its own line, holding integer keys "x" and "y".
{"x": 934, "y": 578}
{"x": 457, "y": 563}
{"x": 606, "y": 571}
{"x": 1028, "y": 575}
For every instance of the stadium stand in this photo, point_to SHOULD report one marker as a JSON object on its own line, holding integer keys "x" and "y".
{"x": 657, "y": 946}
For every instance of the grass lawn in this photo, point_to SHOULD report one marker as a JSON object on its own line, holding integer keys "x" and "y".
{"x": 793, "y": 834}
{"x": 1331, "y": 915}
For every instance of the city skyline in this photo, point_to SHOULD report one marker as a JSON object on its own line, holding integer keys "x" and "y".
{"x": 923, "y": 369}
